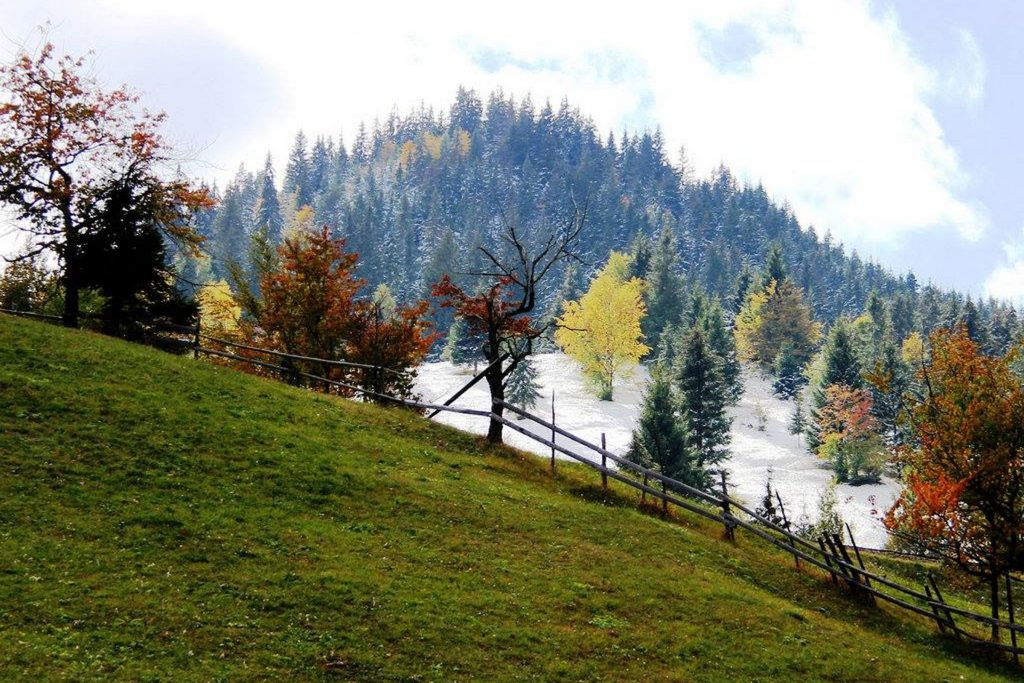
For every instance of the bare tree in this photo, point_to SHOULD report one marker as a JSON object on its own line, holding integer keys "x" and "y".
{"x": 501, "y": 313}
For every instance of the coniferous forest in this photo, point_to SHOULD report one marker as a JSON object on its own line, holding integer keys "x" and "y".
{"x": 416, "y": 195}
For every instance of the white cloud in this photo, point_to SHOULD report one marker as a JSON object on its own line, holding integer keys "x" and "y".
{"x": 823, "y": 101}
{"x": 1007, "y": 281}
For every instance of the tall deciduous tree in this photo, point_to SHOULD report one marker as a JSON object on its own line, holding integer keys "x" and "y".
{"x": 64, "y": 140}
{"x": 964, "y": 479}
{"x": 773, "y": 317}
{"x": 601, "y": 331}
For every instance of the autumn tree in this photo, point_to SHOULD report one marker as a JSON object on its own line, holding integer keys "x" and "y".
{"x": 847, "y": 434}
{"x": 963, "y": 495}
{"x": 64, "y": 141}
{"x": 501, "y": 312}
{"x": 772, "y": 317}
{"x": 601, "y": 331}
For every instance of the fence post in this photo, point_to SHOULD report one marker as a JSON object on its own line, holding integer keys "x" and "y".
{"x": 1013, "y": 622}
{"x": 730, "y": 528}
{"x": 942, "y": 600}
{"x": 196, "y": 338}
{"x": 604, "y": 465}
{"x": 786, "y": 526}
{"x": 552, "y": 431}
{"x": 827, "y": 557}
{"x": 643, "y": 491}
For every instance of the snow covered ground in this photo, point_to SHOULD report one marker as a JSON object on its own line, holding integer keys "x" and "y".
{"x": 760, "y": 436}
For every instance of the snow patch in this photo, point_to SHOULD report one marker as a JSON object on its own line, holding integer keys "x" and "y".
{"x": 760, "y": 436}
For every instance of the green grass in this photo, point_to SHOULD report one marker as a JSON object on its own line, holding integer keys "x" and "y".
{"x": 166, "y": 519}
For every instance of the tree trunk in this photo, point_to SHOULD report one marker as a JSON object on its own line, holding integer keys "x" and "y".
{"x": 496, "y": 383}
{"x": 72, "y": 278}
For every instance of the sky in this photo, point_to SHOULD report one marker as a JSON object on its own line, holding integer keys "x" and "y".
{"x": 893, "y": 125}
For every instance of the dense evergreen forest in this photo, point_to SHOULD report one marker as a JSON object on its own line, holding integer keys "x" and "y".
{"x": 417, "y": 195}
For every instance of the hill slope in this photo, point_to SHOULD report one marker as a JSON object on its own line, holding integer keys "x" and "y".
{"x": 167, "y": 519}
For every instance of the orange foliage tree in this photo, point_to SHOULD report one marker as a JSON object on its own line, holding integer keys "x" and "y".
{"x": 848, "y": 433}
{"x": 310, "y": 307}
{"x": 964, "y": 477}
{"x": 64, "y": 142}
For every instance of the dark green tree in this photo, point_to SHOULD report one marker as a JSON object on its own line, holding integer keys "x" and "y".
{"x": 659, "y": 440}
{"x": 268, "y": 209}
{"x": 788, "y": 371}
{"x": 703, "y": 397}
{"x": 523, "y": 390}
{"x": 721, "y": 340}
{"x": 664, "y": 287}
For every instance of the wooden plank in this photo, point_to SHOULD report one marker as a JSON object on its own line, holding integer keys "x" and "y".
{"x": 1013, "y": 620}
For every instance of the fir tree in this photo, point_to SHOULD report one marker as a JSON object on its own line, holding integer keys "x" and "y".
{"x": 268, "y": 210}
{"x": 664, "y": 294}
{"x": 523, "y": 390}
{"x": 461, "y": 347}
{"x": 659, "y": 440}
{"x": 767, "y": 509}
{"x": 703, "y": 397}
{"x": 841, "y": 366}
{"x": 798, "y": 421}
{"x": 788, "y": 371}
{"x": 722, "y": 342}
{"x": 775, "y": 268}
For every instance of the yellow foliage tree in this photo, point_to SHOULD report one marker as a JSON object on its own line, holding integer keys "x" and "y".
{"x": 408, "y": 154}
{"x": 913, "y": 350}
{"x": 772, "y": 317}
{"x": 432, "y": 145}
{"x": 601, "y": 331}
{"x": 219, "y": 313}
{"x": 463, "y": 142}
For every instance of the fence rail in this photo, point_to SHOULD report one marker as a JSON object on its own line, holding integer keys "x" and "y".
{"x": 830, "y": 554}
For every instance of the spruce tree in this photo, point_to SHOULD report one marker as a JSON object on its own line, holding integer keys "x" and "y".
{"x": 775, "y": 268}
{"x": 703, "y": 397}
{"x": 659, "y": 440}
{"x": 788, "y": 371}
{"x": 664, "y": 294}
{"x": 297, "y": 180}
{"x": 523, "y": 390}
{"x": 798, "y": 421}
{"x": 268, "y": 210}
{"x": 841, "y": 367}
{"x": 767, "y": 508}
{"x": 723, "y": 343}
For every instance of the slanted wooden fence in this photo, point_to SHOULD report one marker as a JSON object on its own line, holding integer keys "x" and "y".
{"x": 842, "y": 561}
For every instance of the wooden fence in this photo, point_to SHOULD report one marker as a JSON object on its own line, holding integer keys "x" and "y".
{"x": 844, "y": 563}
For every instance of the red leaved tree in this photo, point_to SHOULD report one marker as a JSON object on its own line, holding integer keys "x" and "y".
{"x": 964, "y": 479}
{"x": 64, "y": 141}
{"x": 309, "y": 306}
{"x": 309, "y": 303}
{"x": 500, "y": 313}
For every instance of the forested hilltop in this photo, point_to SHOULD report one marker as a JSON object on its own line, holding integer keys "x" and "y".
{"x": 415, "y": 196}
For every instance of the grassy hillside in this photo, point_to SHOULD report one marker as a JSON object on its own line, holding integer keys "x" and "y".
{"x": 167, "y": 519}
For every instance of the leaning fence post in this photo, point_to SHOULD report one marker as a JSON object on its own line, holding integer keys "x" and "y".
{"x": 604, "y": 464}
{"x": 730, "y": 528}
{"x": 828, "y": 561}
{"x": 942, "y": 601}
{"x": 552, "y": 431}
{"x": 789, "y": 530}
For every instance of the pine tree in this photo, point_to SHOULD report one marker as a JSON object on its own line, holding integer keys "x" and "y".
{"x": 744, "y": 282}
{"x": 798, "y": 421}
{"x": 461, "y": 347}
{"x": 722, "y": 342}
{"x": 841, "y": 367}
{"x": 767, "y": 509}
{"x": 703, "y": 397}
{"x": 297, "y": 173}
{"x": 523, "y": 390}
{"x": 664, "y": 293}
{"x": 268, "y": 210}
{"x": 775, "y": 268}
{"x": 659, "y": 440}
{"x": 788, "y": 371}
